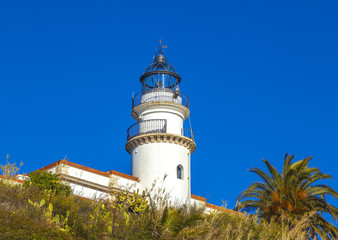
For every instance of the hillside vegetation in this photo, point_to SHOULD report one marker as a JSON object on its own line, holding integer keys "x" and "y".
{"x": 43, "y": 208}
{"x": 31, "y": 212}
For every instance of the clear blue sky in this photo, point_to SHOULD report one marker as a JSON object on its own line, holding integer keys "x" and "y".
{"x": 261, "y": 77}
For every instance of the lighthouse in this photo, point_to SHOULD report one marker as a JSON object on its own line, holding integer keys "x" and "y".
{"x": 159, "y": 145}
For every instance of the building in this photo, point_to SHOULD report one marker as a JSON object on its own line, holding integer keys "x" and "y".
{"x": 159, "y": 145}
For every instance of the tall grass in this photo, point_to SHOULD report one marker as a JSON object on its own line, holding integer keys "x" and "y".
{"x": 29, "y": 212}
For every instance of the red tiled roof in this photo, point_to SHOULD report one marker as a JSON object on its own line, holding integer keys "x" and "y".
{"x": 71, "y": 164}
{"x": 124, "y": 175}
{"x": 212, "y": 206}
{"x": 17, "y": 180}
{"x": 88, "y": 169}
{"x": 222, "y": 209}
{"x": 198, "y": 198}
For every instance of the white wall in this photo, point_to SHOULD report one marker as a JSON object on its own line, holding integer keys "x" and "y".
{"x": 174, "y": 119}
{"x": 87, "y": 192}
{"x": 196, "y": 202}
{"x": 153, "y": 161}
{"x": 128, "y": 184}
{"x": 88, "y": 176}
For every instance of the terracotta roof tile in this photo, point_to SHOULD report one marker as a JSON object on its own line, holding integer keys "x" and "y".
{"x": 124, "y": 175}
{"x": 88, "y": 169}
{"x": 222, "y": 209}
{"x": 198, "y": 198}
{"x": 75, "y": 165}
{"x": 16, "y": 180}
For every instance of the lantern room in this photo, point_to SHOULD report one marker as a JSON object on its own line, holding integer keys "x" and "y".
{"x": 160, "y": 74}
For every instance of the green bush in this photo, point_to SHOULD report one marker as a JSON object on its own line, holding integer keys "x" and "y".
{"x": 45, "y": 209}
{"x": 22, "y": 218}
{"x": 47, "y": 181}
{"x": 30, "y": 212}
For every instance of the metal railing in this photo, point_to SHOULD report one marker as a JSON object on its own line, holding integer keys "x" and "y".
{"x": 154, "y": 126}
{"x": 188, "y": 132}
{"x": 160, "y": 95}
{"x": 147, "y": 126}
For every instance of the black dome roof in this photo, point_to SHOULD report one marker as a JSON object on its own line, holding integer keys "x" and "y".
{"x": 160, "y": 74}
{"x": 160, "y": 63}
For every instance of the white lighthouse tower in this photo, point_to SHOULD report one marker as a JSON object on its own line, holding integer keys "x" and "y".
{"x": 158, "y": 143}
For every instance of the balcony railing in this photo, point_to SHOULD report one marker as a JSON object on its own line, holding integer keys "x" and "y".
{"x": 147, "y": 126}
{"x": 160, "y": 95}
{"x": 154, "y": 126}
{"x": 188, "y": 132}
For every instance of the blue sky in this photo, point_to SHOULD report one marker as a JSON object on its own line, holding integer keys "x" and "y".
{"x": 261, "y": 77}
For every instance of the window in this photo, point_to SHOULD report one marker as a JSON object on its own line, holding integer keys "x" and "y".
{"x": 179, "y": 172}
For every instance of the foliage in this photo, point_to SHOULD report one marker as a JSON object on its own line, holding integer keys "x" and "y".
{"x": 9, "y": 170}
{"x": 38, "y": 211}
{"x": 130, "y": 202}
{"x": 48, "y": 181}
{"x": 292, "y": 194}
{"x": 21, "y": 218}
{"x": 29, "y": 212}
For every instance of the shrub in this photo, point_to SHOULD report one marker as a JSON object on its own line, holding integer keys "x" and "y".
{"x": 9, "y": 170}
{"x": 47, "y": 181}
{"x": 33, "y": 213}
{"x": 30, "y": 212}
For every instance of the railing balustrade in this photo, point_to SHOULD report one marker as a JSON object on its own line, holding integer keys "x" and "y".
{"x": 154, "y": 126}
{"x": 160, "y": 95}
{"x": 188, "y": 132}
{"x": 147, "y": 126}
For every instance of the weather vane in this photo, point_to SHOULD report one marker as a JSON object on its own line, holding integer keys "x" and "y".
{"x": 160, "y": 48}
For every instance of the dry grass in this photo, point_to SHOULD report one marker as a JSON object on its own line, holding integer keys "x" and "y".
{"x": 131, "y": 220}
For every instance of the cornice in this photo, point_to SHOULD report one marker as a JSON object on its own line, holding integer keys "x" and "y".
{"x": 66, "y": 178}
{"x": 160, "y": 138}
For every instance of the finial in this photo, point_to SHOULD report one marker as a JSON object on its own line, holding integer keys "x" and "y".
{"x": 158, "y": 56}
{"x": 160, "y": 48}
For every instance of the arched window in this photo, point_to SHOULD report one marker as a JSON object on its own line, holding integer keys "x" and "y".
{"x": 180, "y": 172}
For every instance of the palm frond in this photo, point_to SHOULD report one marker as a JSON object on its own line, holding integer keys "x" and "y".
{"x": 293, "y": 193}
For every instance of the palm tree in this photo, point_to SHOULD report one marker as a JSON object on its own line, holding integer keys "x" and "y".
{"x": 293, "y": 193}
